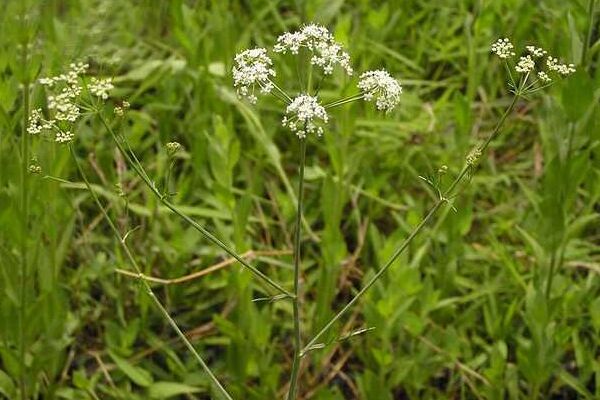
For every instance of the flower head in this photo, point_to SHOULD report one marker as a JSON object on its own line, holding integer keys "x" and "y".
{"x": 525, "y": 64}
{"x": 120, "y": 110}
{"x": 64, "y": 91}
{"x": 544, "y": 77}
{"x": 252, "y": 67}
{"x": 378, "y": 85}
{"x": 64, "y": 137}
{"x": 173, "y": 148}
{"x": 536, "y": 52}
{"x": 563, "y": 69}
{"x": 100, "y": 87}
{"x": 503, "y": 48}
{"x": 326, "y": 52}
{"x": 34, "y": 125}
{"x": 303, "y": 114}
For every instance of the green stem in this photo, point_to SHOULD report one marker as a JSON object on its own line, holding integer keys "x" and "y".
{"x": 24, "y": 219}
{"x": 588, "y": 38}
{"x": 444, "y": 198}
{"x": 136, "y": 165}
{"x": 282, "y": 92}
{"x": 345, "y": 100}
{"x": 296, "y": 300}
{"x": 147, "y": 287}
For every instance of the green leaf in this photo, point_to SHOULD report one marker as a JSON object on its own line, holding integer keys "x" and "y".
{"x": 7, "y": 387}
{"x": 138, "y": 375}
{"x": 164, "y": 390}
{"x": 577, "y": 96}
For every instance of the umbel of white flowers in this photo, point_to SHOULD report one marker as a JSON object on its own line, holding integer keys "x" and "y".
{"x": 253, "y": 73}
{"x": 528, "y": 63}
{"x": 63, "y": 106}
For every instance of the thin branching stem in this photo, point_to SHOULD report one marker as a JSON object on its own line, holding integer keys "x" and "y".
{"x": 345, "y": 100}
{"x": 145, "y": 283}
{"x": 280, "y": 90}
{"x": 443, "y": 199}
{"x": 138, "y": 168}
{"x": 296, "y": 300}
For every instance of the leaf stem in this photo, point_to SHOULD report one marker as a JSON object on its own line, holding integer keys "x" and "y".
{"x": 345, "y": 100}
{"x": 145, "y": 283}
{"x": 138, "y": 168}
{"x": 444, "y": 198}
{"x": 296, "y": 300}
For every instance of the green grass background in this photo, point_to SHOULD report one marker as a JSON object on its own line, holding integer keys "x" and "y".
{"x": 462, "y": 315}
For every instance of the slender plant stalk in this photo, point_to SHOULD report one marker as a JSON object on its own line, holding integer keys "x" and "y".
{"x": 344, "y": 101}
{"x": 444, "y": 198}
{"x": 138, "y": 168}
{"x": 24, "y": 213}
{"x": 296, "y": 300}
{"x": 588, "y": 38}
{"x": 145, "y": 284}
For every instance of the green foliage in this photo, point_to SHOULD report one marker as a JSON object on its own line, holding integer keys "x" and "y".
{"x": 496, "y": 300}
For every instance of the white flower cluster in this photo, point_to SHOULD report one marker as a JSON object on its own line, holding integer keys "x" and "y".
{"x": 64, "y": 137}
{"x": 563, "y": 69}
{"x": 378, "y": 85}
{"x": 37, "y": 123}
{"x": 544, "y": 77}
{"x": 537, "y": 52}
{"x": 120, "y": 110}
{"x": 63, "y": 107}
{"x": 527, "y": 63}
{"x": 326, "y": 52}
{"x": 303, "y": 115}
{"x": 64, "y": 103}
{"x": 503, "y": 48}
{"x": 253, "y": 67}
{"x": 100, "y": 87}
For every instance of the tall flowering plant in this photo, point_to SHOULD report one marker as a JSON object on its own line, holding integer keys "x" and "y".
{"x": 305, "y": 115}
{"x": 73, "y": 94}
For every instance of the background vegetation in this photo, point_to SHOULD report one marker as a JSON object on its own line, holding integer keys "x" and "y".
{"x": 463, "y": 314}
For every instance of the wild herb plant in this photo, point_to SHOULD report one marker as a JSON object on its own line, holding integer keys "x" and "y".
{"x": 74, "y": 95}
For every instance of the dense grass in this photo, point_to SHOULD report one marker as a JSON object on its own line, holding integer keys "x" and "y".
{"x": 465, "y": 313}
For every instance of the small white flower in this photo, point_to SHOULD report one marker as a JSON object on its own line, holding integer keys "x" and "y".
{"x": 252, "y": 67}
{"x": 563, "y": 69}
{"x": 536, "y": 52}
{"x": 290, "y": 41}
{"x": 79, "y": 68}
{"x": 64, "y": 137}
{"x": 327, "y": 53}
{"x": 100, "y": 87}
{"x": 63, "y": 105}
{"x": 303, "y": 115}
{"x": 46, "y": 82}
{"x": 525, "y": 64}
{"x": 378, "y": 85}
{"x": 35, "y": 122}
{"x": 503, "y": 48}
{"x": 544, "y": 77}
